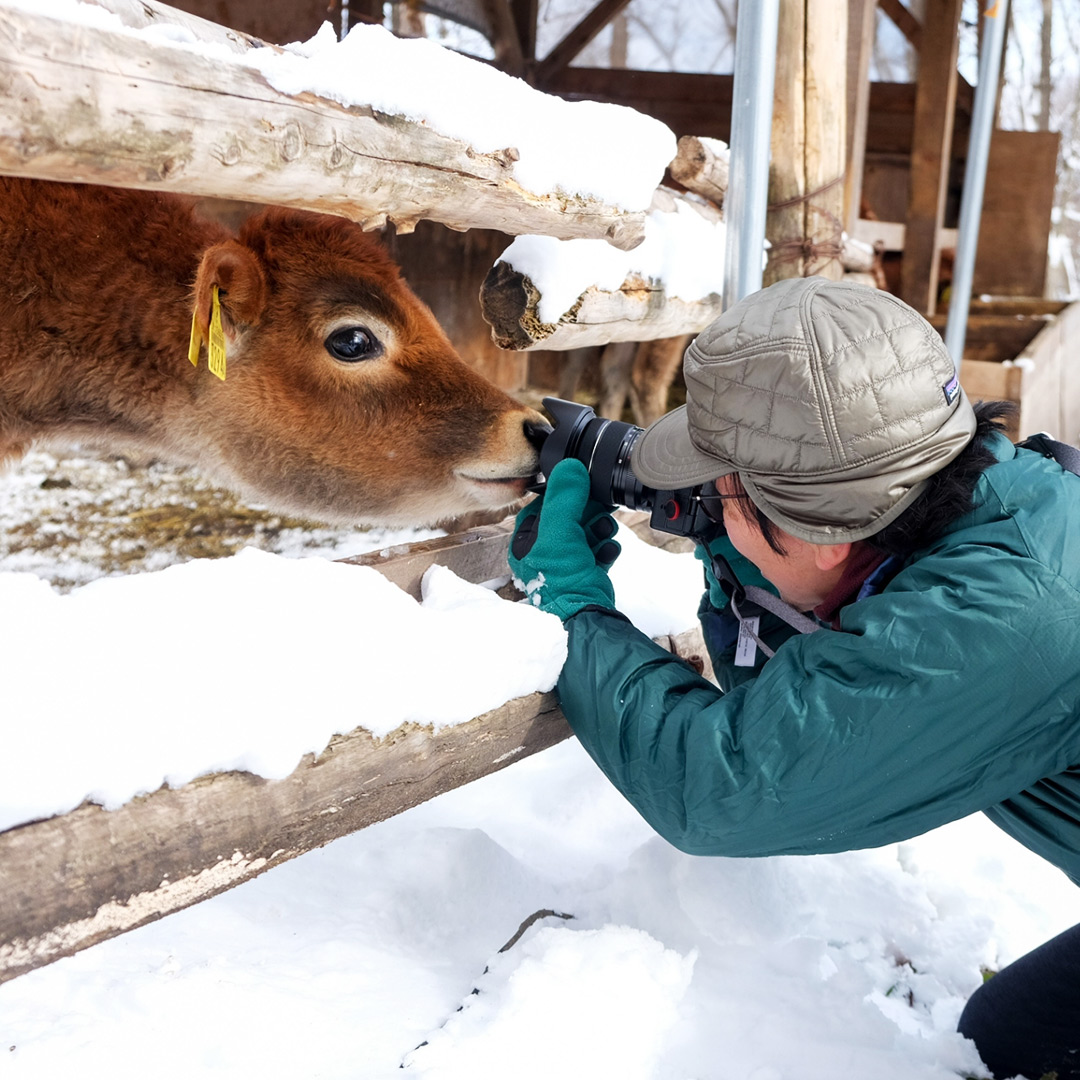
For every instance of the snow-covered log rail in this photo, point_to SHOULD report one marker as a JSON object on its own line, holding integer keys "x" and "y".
{"x": 73, "y": 880}
{"x": 639, "y": 310}
{"x": 189, "y": 111}
{"x": 670, "y": 285}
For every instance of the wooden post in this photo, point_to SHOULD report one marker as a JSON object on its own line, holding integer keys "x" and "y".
{"x": 809, "y": 146}
{"x": 862, "y": 23}
{"x": 786, "y": 223}
{"x": 826, "y": 133}
{"x": 367, "y": 11}
{"x": 505, "y": 39}
{"x": 935, "y": 105}
{"x": 525, "y": 13}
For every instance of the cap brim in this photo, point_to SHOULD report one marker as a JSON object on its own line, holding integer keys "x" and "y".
{"x": 666, "y": 459}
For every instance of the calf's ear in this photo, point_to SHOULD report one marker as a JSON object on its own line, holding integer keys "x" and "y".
{"x": 241, "y": 283}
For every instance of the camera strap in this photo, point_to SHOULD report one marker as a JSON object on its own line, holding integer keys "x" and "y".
{"x": 749, "y": 601}
{"x": 1068, "y": 457}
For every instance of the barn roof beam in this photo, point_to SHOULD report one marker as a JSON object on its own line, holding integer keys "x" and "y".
{"x": 578, "y": 38}
{"x": 905, "y": 22}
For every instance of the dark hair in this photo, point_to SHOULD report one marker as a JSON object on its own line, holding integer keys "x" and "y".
{"x": 753, "y": 513}
{"x": 948, "y": 495}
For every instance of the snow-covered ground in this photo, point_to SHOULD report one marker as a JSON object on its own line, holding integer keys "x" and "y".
{"x": 383, "y": 949}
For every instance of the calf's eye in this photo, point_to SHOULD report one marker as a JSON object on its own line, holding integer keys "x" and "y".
{"x": 353, "y": 343}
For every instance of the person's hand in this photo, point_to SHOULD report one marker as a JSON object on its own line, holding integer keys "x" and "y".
{"x": 562, "y": 545}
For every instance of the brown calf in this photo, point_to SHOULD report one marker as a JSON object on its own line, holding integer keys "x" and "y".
{"x": 343, "y": 399}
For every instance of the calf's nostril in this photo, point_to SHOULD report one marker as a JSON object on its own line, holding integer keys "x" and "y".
{"x": 536, "y": 433}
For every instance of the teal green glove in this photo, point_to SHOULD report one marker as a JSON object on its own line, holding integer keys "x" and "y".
{"x": 562, "y": 545}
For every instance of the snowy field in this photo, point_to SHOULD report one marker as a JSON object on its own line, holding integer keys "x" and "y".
{"x": 383, "y": 949}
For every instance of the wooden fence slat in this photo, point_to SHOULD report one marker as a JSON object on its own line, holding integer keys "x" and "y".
{"x": 101, "y": 106}
{"x": 477, "y": 555}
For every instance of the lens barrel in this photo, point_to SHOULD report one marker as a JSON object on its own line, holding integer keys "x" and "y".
{"x": 604, "y": 448}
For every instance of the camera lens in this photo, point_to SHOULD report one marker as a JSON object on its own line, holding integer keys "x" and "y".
{"x": 602, "y": 446}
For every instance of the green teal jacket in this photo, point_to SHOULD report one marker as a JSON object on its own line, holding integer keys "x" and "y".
{"x": 955, "y": 689}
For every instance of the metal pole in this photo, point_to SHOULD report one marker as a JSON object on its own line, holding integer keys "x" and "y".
{"x": 751, "y": 128}
{"x": 982, "y": 127}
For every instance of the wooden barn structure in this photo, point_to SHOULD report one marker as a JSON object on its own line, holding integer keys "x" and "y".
{"x": 887, "y": 168}
{"x": 882, "y": 163}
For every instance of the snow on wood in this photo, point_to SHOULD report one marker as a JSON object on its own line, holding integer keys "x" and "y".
{"x": 856, "y": 254}
{"x": 543, "y": 294}
{"x": 101, "y": 104}
{"x": 82, "y": 877}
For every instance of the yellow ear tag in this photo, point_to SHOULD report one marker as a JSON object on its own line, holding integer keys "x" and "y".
{"x": 216, "y": 349}
{"x": 196, "y": 341}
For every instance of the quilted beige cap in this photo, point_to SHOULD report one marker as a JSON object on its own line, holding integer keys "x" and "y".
{"x": 834, "y": 403}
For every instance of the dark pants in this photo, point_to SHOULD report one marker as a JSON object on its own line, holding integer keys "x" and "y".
{"x": 1026, "y": 1019}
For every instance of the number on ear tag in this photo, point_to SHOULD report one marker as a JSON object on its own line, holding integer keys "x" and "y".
{"x": 216, "y": 348}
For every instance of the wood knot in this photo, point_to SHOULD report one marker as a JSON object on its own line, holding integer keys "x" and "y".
{"x": 232, "y": 152}
{"x": 292, "y": 141}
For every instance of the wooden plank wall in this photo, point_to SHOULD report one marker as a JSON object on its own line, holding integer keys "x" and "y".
{"x": 276, "y": 21}
{"x": 1017, "y": 206}
{"x": 1038, "y": 372}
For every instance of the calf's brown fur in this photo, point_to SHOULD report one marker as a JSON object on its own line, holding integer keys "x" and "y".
{"x": 97, "y": 291}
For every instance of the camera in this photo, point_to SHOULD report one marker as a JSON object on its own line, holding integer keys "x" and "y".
{"x": 603, "y": 447}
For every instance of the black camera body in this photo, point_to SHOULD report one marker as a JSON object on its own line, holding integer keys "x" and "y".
{"x": 604, "y": 447}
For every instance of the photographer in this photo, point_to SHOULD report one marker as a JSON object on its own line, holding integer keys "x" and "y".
{"x": 845, "y": 467}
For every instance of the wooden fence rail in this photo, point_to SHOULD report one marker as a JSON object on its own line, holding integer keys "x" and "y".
{"x": 71, "y": 881}
{"x": 102, "y": 106}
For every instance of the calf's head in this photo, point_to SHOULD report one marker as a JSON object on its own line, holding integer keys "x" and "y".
{"x": 343, "y": 398}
